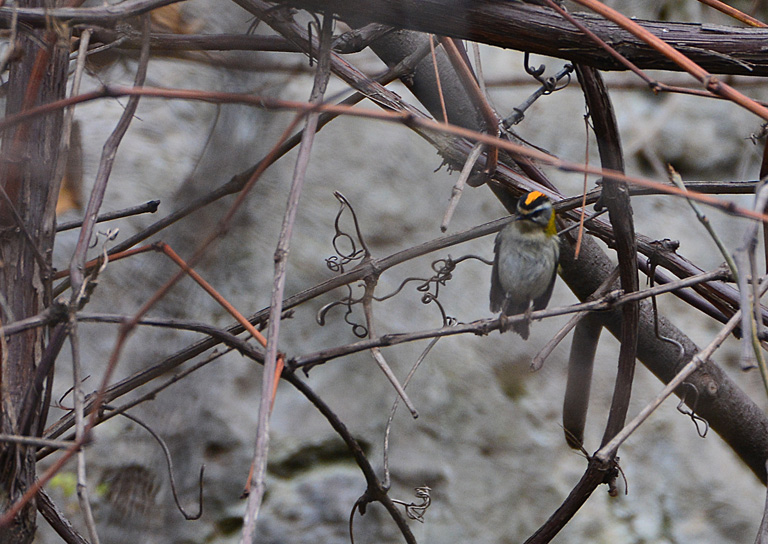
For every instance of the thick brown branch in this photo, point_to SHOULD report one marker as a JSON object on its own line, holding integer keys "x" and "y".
{"x": 515, "y": 25}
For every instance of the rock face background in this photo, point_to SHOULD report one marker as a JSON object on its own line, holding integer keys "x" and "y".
{"x": 488, "y": 440}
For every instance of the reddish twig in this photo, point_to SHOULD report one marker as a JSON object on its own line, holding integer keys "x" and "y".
{"x": 438, "y": 84}
{"x": 733, "y": 12}
{"x": 711, "y": 82}
{"x": 461, "y": 66}
{"x": 405, "y": 117}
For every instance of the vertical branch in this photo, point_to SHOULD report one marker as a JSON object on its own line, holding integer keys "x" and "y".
{"x": 581, "y": 362}
{"x": 77, "y": 265}
{"x": 751, "y": 326}
{"x": 281, "y": 254}
{"x": 615, "y": 196}
{"x": 80, "y": 432}
{"x": 28, "y": 180}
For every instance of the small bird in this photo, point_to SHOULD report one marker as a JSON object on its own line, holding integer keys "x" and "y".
{"x": 525, "y": 264}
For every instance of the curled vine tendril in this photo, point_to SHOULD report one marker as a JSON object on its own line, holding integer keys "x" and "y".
{"x": 416, "y": 510}
{"x": 361, "y": 331}
{"x": 443, "y": 269}
{"x": 336, "y": 263}
{"x": 549, "y": 85}
{"x": 691, "y": 412}
{"x": 429, "y": 287}
{"x": 671, "y": 245}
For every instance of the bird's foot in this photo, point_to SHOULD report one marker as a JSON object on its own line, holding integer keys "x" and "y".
{"x": 504, "y": 324}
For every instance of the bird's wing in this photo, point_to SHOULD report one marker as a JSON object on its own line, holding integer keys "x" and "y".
{"x": 540, "y": 302}
{"x": 497, "y": 293}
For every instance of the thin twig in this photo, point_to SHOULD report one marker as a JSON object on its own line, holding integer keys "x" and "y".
{"x": 148, "y": 207}
{"x": 169, "y": 465}
{"x": 675, "y": 178}
{"x": 599, "y": 41}
{"x": 458, "y": 188}
{"x": 370, "y": 285}
{"x": 538, "y": 360}
{"x": 485, "y": 326}
{"x": 584, "y": 190}
{"x": 386, "y": 483}
{"x": 609, "y": 449}
{"x": 77, "y": 264}
{"x": 437, "y": 79}
{"x": 712, "y": 83}
{"x": 733, "y": 12}
{"x": 403, "y": 116}
{"x": 239, "y": 182}
{"x": 271, "y": 361}
{"x": 80, "y": 432}
{"x": 464, "y": 72}
{"x": 66, "y": 129}
{"x": 751, "y": 322}
{"x": 34, "y": 441}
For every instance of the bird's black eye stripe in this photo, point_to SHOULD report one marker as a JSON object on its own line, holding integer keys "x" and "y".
{"x": 538, "y": 202}
{"x": 536, "y": 212}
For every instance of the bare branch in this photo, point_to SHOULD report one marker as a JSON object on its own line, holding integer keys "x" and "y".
{"x": 104, "y": 14}
{"x": 273, "y": 362}
{"x": 525, "y": 27}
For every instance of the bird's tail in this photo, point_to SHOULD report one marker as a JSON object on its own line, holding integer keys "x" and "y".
{"x": 522, "y": 328}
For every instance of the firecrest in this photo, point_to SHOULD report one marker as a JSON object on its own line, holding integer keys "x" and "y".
{"x": 525, "y": 264}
